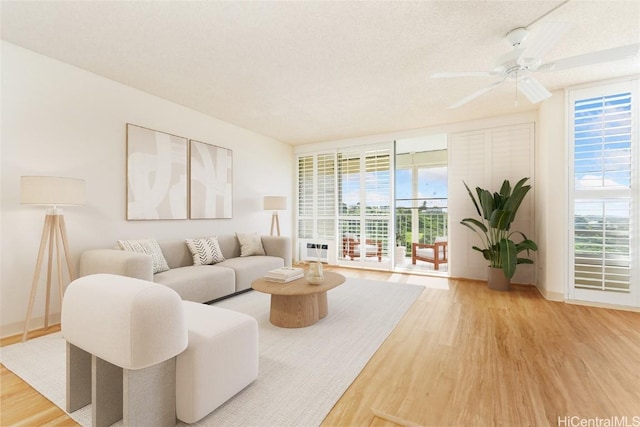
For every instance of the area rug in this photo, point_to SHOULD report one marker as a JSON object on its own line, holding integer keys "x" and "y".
{"x": 302, "y": 372}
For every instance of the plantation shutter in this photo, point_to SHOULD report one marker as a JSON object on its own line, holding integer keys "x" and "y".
{"x": 316, "y": 196}
{"x": 364, "y": 197}
{"x": 326, "y": 196}
{"x": 484, "y": 158}
{"x": 305, "y": 196}
{"x": 605, "y": 191}
{"x": 348, "y": 194}
{"x": 377, "y": 185}
{"x": 466, "y": 163}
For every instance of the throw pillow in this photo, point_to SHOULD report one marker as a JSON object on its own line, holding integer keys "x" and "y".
{"x": 250, "y": 244}
{"x": 149, "y": 247}
{"x": 205, "y": 251}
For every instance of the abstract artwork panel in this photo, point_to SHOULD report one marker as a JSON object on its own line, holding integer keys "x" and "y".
{"x": 156, "y": 174}
{"x": 211, "y": 181}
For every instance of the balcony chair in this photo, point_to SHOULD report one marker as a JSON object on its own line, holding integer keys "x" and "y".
{"x": 351, "y": 247}
{"x": 435, "y": 253}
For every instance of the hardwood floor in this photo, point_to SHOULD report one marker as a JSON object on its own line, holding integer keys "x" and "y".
{"x": 464, "y": 355}
{"x": 20, "y": 404}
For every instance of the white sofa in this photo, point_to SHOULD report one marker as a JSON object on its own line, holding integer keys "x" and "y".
{"x": 203, "y": 283}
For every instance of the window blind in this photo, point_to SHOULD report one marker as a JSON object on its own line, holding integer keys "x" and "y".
{"x": 305, "y": 196}
{"x": 602, "y": 206}
{"x": 364, "y": 194}
{"x": 316, "y": 196}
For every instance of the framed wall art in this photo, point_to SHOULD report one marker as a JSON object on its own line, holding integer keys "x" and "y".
{"x": 211, "y": 179}
{"x": 156, "y": 174}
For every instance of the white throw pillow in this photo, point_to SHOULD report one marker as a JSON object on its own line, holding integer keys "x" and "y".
{"x": 149, "y": 247}
{"x": 205, "y": 251}
{"x": 250, "y": 244}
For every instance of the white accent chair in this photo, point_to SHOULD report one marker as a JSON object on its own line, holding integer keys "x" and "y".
{"x": 122, "y": 338}
{"x": 352, "y": 247}
{"x": 435, "y": 253}
{"x": 137, "y": 352}
{"x": 221, "y": 359}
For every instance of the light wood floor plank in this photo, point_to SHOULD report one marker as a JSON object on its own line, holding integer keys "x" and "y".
{"x": 463, "y": 355}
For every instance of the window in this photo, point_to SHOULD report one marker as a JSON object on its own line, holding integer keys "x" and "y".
{"x": 604, "y": 204}
{"x": 364, "y": 197}
{"x": 421, "y": 197}
{"x": 316, "y": 196}
{"x": 305, "y": 197}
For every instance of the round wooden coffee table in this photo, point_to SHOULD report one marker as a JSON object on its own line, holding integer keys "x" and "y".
{"x": 298, "y": 303}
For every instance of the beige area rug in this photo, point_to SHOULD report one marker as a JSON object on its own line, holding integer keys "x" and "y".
{"x": 303, "y": 372}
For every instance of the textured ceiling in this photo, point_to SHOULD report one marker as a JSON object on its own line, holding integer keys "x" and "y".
{"x": 305, "y": 72}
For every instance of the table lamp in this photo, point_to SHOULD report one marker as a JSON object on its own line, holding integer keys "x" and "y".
{"x": 275, "y": 204}
{"x": 50, "y": 191}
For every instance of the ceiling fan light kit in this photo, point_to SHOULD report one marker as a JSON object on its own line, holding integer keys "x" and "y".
{"x": 516, "y": 36}
{"x": 533, "y": 90}
{"x": 526, "y": 59}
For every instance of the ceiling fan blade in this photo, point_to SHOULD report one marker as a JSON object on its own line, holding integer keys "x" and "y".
{"x": 533, "y": 90}
{"x": 463, "y": 74}
{"x": 548, "y": 35}
{"x": 591, "y": 58}
{"x": 476, "y": 94}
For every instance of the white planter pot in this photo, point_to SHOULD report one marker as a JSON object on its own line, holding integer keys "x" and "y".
{"x": 401, "y": 252}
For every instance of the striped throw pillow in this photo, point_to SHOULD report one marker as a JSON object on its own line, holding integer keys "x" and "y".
{"x": 205, "y": 251}
{"x": 149, "y": 247}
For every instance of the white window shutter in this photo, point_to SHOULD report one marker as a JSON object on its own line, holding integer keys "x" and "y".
{"x": 485, "y": 158}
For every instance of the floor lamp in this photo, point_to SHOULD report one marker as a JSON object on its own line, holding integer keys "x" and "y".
{"x": 50, "y": 191}
{"x": 275, "y": 204}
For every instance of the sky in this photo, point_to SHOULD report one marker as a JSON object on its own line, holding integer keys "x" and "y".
{"x": 602, "y": 153}
{"x": 432, "y": 183}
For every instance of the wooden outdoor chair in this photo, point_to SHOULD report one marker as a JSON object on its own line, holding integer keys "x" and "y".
{"x": 435, "y": 253}
{"x": 351, "y": 248}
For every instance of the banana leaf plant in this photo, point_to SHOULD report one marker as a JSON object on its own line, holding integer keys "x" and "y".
{"x": 497, "y": 211}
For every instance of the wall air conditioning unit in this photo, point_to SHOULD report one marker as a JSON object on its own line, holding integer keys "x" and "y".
{"x": 314, "y": 250}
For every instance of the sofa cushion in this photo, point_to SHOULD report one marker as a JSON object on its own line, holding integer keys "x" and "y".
{"x": 221, "y": 359}
{"x": 250, "y": 244}
{"x": 176, "y": 253}
{"x": 202, "y": 283}
{"x": 229, "y": 245}
{"x": 248, "y": 269}
{"x": 148, "y": 247}
{"x": 205, "y": 251}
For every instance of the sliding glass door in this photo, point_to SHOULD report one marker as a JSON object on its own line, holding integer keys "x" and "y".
{"x": 421, "y": 215}
{"x": 364, "y": 201}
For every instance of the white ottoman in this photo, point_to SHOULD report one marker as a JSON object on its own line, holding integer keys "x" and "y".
{"x": 220, "y": 360}
{"x": 122, "y": 338}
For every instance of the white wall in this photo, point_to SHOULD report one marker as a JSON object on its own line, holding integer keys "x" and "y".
{"x": 60, "y": 120}
{"x": 516, "y": 118}
{"x": 551, "y": 198}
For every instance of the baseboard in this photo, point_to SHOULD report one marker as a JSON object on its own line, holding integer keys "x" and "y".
{"x": 604, "y": 305}
{"x": 12, "y": 329}
{"x": 559, "y": 297}
{"x": 550, "y": 296}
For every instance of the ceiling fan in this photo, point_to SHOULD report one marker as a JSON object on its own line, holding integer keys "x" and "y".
{"x": 519, "y": 64}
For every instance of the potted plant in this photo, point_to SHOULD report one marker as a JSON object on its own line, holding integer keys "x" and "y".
{"x": 497, "y": 211}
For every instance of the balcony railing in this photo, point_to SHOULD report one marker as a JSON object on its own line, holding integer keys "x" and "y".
{"x": 432, "y": 223}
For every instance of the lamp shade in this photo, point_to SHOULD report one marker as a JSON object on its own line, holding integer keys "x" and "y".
{"x": 275, "y": 203}
{"x": 51, "y": 190}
